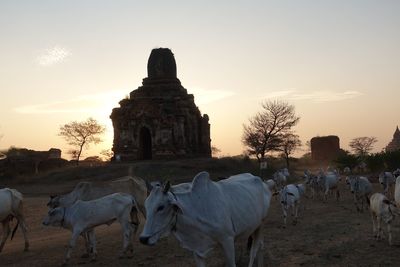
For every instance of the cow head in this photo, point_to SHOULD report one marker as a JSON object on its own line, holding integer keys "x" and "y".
{"x": 54, "y": 202}
{"x": 55, "y": 217}
{"x": 161, "y": 210}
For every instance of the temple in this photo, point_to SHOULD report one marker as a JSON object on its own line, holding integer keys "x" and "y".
{"x": 395, "y": 143}
{"x": 160, "y": 120}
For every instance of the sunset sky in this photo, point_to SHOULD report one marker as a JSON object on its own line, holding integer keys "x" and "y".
{"x": 338, "y": 62}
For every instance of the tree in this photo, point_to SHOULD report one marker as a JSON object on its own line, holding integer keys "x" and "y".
{"x": 107, "y": 153}
{"x": 290, "y": 143}
{"x": 361, "y": 146}
{"x": 266, "y": 129}
{"x": 81, "y": 135}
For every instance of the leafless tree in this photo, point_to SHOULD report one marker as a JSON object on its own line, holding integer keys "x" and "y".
{"x": 264, "y": 132}
{"x": 81, "y": 135}
{"x": 290, "y": 143}
{"x": 107, "y": 153}
{"x": 215, "y": 150}
{"x": 361, "y": 146}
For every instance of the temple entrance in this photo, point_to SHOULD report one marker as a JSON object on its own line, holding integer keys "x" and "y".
{"x": 145, "y": 144}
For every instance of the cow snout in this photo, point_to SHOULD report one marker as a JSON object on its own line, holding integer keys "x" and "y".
{"x": 144, "y": 240}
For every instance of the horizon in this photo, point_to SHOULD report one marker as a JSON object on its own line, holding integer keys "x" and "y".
{"x": 337, "y": 63}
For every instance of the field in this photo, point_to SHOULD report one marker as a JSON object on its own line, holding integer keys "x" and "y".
{"x": 327, "y": 234}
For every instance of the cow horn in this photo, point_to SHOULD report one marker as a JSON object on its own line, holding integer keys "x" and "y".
{"x": 167, "y": 185}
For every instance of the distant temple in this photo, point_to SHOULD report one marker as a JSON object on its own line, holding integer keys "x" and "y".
{"x": 325, "y": 148}
{"x": 160, "y": 119}
{"x": 395, "y": 143}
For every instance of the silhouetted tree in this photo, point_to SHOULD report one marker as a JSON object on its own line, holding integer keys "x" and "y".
{"x": 361, "y": 146}
{"x": 81, "y": 135}
{"x": 215, "y": 150}
{"x": 266, "y": 129}
{"x": 107, "y": 153}
{"x": 290, "y": 143}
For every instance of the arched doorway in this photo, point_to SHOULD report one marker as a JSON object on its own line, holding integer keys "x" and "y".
{"x": 145, "y": 144}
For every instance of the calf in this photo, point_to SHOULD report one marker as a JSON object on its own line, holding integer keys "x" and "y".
{"x": 382, "y": 209}
{"x": 84, "y": 216}
{"x": 11, "y": 207}
{"x": 361, "y": 188}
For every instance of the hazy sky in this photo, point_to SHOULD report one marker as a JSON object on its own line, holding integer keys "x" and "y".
{"x": 338, "y": 62}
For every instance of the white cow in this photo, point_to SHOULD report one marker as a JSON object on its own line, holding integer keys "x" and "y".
{"x": 209, "y": 212}
{"x": 280, "y": 178}
{"x": 361, "y": 188}
{"x": 387, "y": 180}
{"x": 134, "y": 186}
{"x": 271, "y": 184}
{"x": 290, "y": 198}
{"x": 312, "y": 182}
{"x": 329, "y": 182}
{"x": 84, "y": 216}
{"x": 397, "y": 191}
{"x": 11, "y": 207}
{"x": 382, "y": 209}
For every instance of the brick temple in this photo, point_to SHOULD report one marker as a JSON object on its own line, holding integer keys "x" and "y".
{"x": 160, "y": 120}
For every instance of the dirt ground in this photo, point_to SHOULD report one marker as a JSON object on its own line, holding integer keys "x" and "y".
{"x": 327, "y": 234}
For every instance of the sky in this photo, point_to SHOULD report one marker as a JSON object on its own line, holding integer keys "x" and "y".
{"x": 337, "y": 62}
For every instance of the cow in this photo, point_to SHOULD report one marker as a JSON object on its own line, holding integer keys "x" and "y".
{"x": 387, "y": 180}
{"x": 11, "y": 206}
{"x": 280, "y": 178}
{"x": 361, "y": 188}
{"x": 207, "y": 212}
{"x": 397, "y": 191}
{"x": 289, "y": 198}
{"x": 271, "y": 184}
{"x": 329, "y": 182}
{"x": 84, "y": 216}
{"x": 382, "y": 209}
{"x": 134, "y": 186}
{"x": 312, "y": 182}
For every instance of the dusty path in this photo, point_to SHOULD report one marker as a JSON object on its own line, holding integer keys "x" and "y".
{"x": 328, "y": 234}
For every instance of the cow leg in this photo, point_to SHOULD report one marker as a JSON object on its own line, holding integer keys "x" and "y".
{"x": 24, "y": 230}
{"x": 373, "y": 224}
{"x": 284, "y": 216}
{"x": 296, "y": 212}
{"x": 255, "y": 251}
{"x": 6, "y": 233}
{"x": 85, "y": 236}
{"x": 71, "y": 245}
{"x": 127, "y": 234}
{"x": 378, "y": 222}
{"x": 389, "y": 233}
{"x": 200, "y": 261}
{"x": 228, "y": 245}
{"x": 92, "y": 242}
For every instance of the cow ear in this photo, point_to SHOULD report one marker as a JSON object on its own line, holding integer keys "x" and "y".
{"x": 149, "y": 187}
{"x": 177, "y": 206}
{"x": 167, "y": 186}
{"x": 386, "y": 201}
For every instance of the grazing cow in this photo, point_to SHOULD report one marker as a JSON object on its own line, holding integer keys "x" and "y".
{"x": 84, "y": 216}
{"x": 329, "y": 182}
{"x": 209, "y": 212}
{"x": 11, "y": 207}
{"x": 290, "y": 198}
{"x": 382, "y": 209}
{"x": 361, "y": 188}
{"x": 387, "y": 180}
{"x": 92, "y": 190}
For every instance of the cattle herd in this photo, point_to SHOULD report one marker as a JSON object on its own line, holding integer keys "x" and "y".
{"x": 200, "y": 214}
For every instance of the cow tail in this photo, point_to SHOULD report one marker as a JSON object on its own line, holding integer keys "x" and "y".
{"x": 15, "y": 229}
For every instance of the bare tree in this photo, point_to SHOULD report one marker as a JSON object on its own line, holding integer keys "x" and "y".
{"x": 361, "y": 146}
{"x": 215, "y": 150}
{"x": 81, "y": 135}
{"x": 266, "y": 129}
{"x": 290, "y": 143}
{"x": 107, "y": 153}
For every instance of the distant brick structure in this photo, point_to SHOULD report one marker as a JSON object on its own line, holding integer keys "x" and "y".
{"x": 325, "y": 148}
{"x": 160, "y": 120}
{"x": 395, "y": 143}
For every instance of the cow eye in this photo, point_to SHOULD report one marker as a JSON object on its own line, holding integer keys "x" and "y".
{"x": 160, "y": 208}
